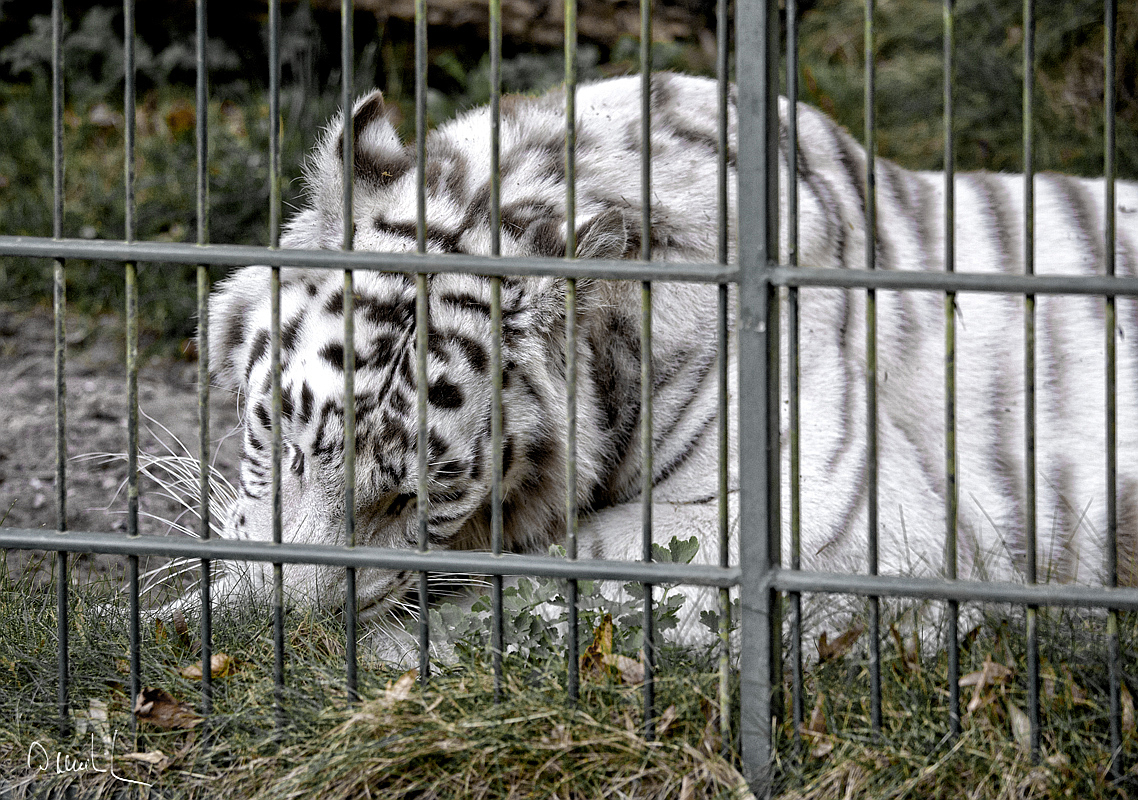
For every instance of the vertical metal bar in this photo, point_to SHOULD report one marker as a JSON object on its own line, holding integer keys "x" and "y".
{"x": 274, "y": 288}
{"x": 646, "y": 467}
{"x": 571, "y": 336}
{"x": 1029, "y": 368}
{"x": 723, "y": 343}
{"x": 346, "y": 57}
{"x": 757, "y": 35}
{"x": 131, "y": 346}
{"x": 951, "y": 490}
{"x": 871, "y": 365}
{"x": 59, "y": 300}
{"x": 421, "y": 321}
{"x": 792, "y": 365}
{"x": 497, "y": 634}
{"x": 201, "y": 113}
{"x": 1111, "y": 566}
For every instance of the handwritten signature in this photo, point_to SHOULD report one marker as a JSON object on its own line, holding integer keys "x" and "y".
{"x": 41, "y": 760}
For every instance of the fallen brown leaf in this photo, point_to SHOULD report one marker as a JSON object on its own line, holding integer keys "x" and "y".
{"x": 399, "y": 690}
{"x": 592, "y": 661}
{"x": 220, "y": 666}
{"x": 817, "y": 723}
{"x": 822, "y": 749}
{"x": 908, "y": 651}
{"x": 1021, "y": 727}
{"x": 155, "y": 758}
{"x": 180, "y": 626}
{"x": 1079, "y": 695}
{"x": 157, "y": 707}
{"x": 839, "y": 647}
{"x": 666, "y": 719}
{"x": 1047, "y": 679}
{"x": 630, "y": 670}
{"x": 1127, "y": 710}
{"x": 990, "y": 674}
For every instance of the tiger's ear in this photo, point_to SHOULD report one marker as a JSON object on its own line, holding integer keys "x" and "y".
{"x": 378, "y": 154}
{"x": 604, "y": 236}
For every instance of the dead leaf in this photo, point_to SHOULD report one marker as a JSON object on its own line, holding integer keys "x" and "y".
{"x": 908, "y": 651}
{"x": 1058, "y": 760}
{"x": 93, "y": 720}
{"x": 156, "y": 758}
{"x": 1048, "y": 678}
{"x": 1079, "y": 695}
{"x": 630, "y": 670}
{"x": 822, "y": 749}
{"x": 1021, "y": 727}
{"x": 157, "y": 707}
{"x": 666, "y": 720}
{"x": 840, "y": 646}
{"x": 1127, "y": 710}
{"x": 122, "y": 666}
{"x": 220, "y": 666}
{"x": 180, "y": 626}
{"x": 592, "y": 660}
{"x": 400, "y": 690}
{"x": 817, "y": 723}
{"x": 990, "y": 674}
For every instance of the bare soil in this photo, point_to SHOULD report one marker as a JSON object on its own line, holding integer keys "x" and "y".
{"x": 96, "y": 403}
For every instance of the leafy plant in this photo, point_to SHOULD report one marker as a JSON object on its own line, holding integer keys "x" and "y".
{"x": 536, "y": 616}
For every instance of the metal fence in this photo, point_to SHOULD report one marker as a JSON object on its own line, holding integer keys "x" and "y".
{"x": 765, "y": 585}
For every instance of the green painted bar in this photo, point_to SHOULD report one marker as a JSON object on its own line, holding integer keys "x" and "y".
{"x": 201, "y": 134}
{"x": 1114, "y": 646}
{"x": 1030, "y": 547}
{"x": 573, "y": 655}
{"x": 274, "y": 243}
{"x": 951, "y": 491}
{"x": 59, "y": 305}
{"x": 347, "y": 55}
{"x": 871, "y": 364}
{"x": 497, "y": 633}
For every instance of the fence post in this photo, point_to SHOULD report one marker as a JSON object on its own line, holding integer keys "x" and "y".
{"x": 757, "y": 30}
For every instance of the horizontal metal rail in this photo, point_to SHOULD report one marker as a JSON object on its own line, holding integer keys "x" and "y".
{"x": 230, "y": 255}
{"x": 379, "y": 557}
{"x": 696, "y": 272}
{"x": 1040, "y": 594}
{"x": 784, "y": 580}
{"x": 954, "y": 281}
{"x": 410, "y": 263}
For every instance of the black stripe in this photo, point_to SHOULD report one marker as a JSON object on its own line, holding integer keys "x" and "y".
{"x": 694, "y": 446}
{"x": 465, "y": 301}
{"x": 995, "y": 211}
{"x": 257, "y": 351}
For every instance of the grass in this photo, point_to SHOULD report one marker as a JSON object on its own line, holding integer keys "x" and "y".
{"x": 451, "y": 739}
{"x": 839, "y": 754}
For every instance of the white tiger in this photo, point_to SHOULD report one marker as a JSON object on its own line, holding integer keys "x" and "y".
{"x": 1069, "y": 222}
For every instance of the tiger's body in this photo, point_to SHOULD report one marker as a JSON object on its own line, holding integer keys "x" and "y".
{"x": 1069, "y": 214}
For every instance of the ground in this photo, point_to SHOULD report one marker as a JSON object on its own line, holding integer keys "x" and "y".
{"x": 96, "y": 424}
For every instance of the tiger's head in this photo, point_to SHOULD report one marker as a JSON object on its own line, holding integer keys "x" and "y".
{"x": 458, "y": 477}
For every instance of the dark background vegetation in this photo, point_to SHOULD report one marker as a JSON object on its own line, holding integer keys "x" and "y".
{"x": 909, "y": 46}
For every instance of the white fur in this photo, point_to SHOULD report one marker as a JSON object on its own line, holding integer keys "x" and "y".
{"x": 1070, "y": 373}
